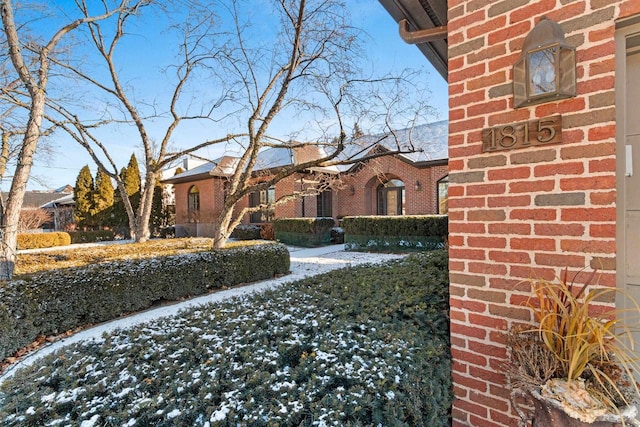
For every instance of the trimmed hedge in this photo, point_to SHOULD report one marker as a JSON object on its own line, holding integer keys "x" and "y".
{"x": 92, "y": 236}
{"x": 56, "y": 301}
{"x": 43, "y": 240}
{"x": 395, "y": 233}
{"x": 305, "y": 232}
{"x": 246, "y": 232}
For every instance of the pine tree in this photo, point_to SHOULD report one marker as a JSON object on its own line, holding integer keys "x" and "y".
{"x": 83, "y": 196}
{"x": 103, "y": 198}
{"x": 131, "y": 179}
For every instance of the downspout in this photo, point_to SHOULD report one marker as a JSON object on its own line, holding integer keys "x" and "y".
{"x": 421, "y": 36}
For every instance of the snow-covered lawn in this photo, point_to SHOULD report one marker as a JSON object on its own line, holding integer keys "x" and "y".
{"x": 364, "y": 345}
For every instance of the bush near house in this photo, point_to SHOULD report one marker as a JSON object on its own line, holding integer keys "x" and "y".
{"x": 395, "y": 233}
{"x": 92, "y": 236}
{"x": 246, "y": 232}
{"x": 305, "y": 232}
{"x": 43, "y": 240}
{"x": 53, "y": 302}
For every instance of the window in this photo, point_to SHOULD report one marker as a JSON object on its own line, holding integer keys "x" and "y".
{"x": 443, "y": 195}
{"x": 324, "y": 204}
{"x": 193, "y": 203}
{"x": 262, "y": 197}
{"x": 391, "y": 198}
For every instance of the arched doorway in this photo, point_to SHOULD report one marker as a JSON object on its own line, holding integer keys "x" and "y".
{"x": 391, "y": 197}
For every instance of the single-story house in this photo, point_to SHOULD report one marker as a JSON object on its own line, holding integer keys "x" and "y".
{"x": 544, "y": 165}
{"x": 399, "y": 184}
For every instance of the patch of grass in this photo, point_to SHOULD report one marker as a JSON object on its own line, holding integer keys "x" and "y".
{"x": 362, "y": 346}
{"x": 28, "y": 263}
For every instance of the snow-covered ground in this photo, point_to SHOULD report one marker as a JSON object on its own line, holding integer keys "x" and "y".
{"x": 304, "y": 263}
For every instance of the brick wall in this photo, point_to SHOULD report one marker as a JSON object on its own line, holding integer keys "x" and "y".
{"x": 519, "y": 213}
{"x": 366, "y": 181}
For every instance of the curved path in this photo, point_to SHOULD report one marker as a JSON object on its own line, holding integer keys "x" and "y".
{"x": 304, "y": 263}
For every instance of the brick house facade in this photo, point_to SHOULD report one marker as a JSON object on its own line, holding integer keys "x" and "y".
{"x": 530, "y": 212}
{"x": 409, "y": 184}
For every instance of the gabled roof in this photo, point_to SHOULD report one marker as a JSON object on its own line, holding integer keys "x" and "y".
{"x": 429, "y": 141}
{"x": 37, "y": 199}
{"x": 423, "y": 15}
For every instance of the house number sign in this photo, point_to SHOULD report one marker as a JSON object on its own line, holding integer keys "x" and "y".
{"x": 523, "y": 134}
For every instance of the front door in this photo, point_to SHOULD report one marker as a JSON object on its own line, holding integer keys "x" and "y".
{"x": 628, "y": 168}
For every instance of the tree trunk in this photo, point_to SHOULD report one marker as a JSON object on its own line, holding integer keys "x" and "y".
{"x": 221, "y": 232}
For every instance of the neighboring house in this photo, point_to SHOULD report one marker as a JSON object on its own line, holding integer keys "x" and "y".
{"x": 57, "y": 202}
{"x": 544, "y": 172}
{"x": 406, "y": 184}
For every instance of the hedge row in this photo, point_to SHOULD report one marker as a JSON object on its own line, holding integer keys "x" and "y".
{"x": 246, "y": 232}
{"x": 92, "y": 236}
{"x": 305, "y": 232}
{"x": 56, "y": 301}
{"x": 395, "y": 233}
{"x": 43, "y": 240}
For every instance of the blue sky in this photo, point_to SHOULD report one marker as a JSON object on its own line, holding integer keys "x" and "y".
{"x": 385, "y": 49}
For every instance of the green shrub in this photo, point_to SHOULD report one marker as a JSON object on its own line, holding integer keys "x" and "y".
{"x": 56, "y": 301}
{"x": 363, "y": 346}
{"x": 306, "y": 232}
{"x": 92, "y": 236}
{"x": 43, "y": 240}
{"x": 395, "y": 233}
{"x": 246, "y": 232}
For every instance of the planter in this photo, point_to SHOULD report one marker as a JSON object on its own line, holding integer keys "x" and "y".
{"x": 549, "y": 412}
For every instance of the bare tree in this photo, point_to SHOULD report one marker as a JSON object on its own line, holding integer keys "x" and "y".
{"x": 33, "y": 218}
{"x": 33, "y": 74}
{"x": 304, "y": 69}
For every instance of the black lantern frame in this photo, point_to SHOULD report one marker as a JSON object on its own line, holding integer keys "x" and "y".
{"x": 546, "y": 70}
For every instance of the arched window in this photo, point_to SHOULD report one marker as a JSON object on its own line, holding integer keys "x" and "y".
{"x": 391, "y": 198}
{"x": 193, "y": 203}
{"x": 443, "y": 195}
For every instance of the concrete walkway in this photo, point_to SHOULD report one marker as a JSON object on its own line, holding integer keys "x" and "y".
{"x": 304, "y": 263}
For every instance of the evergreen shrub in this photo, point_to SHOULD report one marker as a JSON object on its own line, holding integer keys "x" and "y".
{"x": 395, "y": 233}
{"x": 43, "y": 240}
{"x": 305, "y": 232}
{"x": 53, "y": 302}
{"x": 246, "y": 232}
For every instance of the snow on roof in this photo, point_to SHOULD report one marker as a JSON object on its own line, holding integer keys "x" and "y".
{"x": 429, "y": 140}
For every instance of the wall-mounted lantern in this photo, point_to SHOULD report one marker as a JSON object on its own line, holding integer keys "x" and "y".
{"x": 418, "y": 186}
{"x": 546, "y": 70}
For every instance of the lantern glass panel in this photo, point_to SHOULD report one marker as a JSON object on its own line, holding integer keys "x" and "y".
{"x": 542, "y": 71}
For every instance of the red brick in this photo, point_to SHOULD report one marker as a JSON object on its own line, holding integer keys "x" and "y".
{"x": 467, "y": 202}
{"x": 533, "y": 9}
{"x": 560, "y": 260}
{"x": 531, "y": 186}
{"x": 486, "y": 374}
{"x": 588, "y": 214}
{"x": 571, "y": 136}
{"x": 533, "y": 244}
{"x": 479, "y": 410}
{"x": 605, "y": 66}
{"x": 477, "y": 421}
{"x": 486, "y": 242}
{"x": 568, "y": 11}
{"x": 602, "y": 132}
{"x": 521, "y": 172}
{"x": 469, "y": 357}
{"x": 585, "y": 87}
{"x": 602, "y": 50}
{"x": 457, "y": 253}
{"x": 510, "y": 31}
{"x": 484, "y": 82}
{"x": 469, "y": 383}
{"x": 510, "y": 257}
{"x": 582, "y": 151}
{"x": 486, "y": 26}
{"x": 474, "y": 306}
{"x": 589, "y": 246}
{"x": 485, "y": 268}
{"x": 466, "y": 125}
{"x": 466, "y": 73}
{"x": 488, "y": 321}
{"x": 533, "y": 214}
{"x": 484, "y": 189}
{"x": 488, "y": 349}
{"x": 508, "y": 228}
{"x": 467, "y": 228}
{"x": 503, "y": 62}
{"x": 589, "y": 183}
{"x": 528, "y": 272}
{"x": 487, "y": 107}
{"x": 490, "y": 401}
{"x": 466, "y": 99}
{"x": 510, "y": 312}
{"x": 559, "y": 229}
{"x": 511, "y": 116}
{"x": 560, "y": 107}
{"x": 602, "y": 230}
{"x": 468, "y": 331}
{"x": 629, "y": 8}
{"x": 606, "y": 165}
{"x": 568, "y": 168}
{"x": 607, "y": 33}
{"x": 509, "y": 201}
